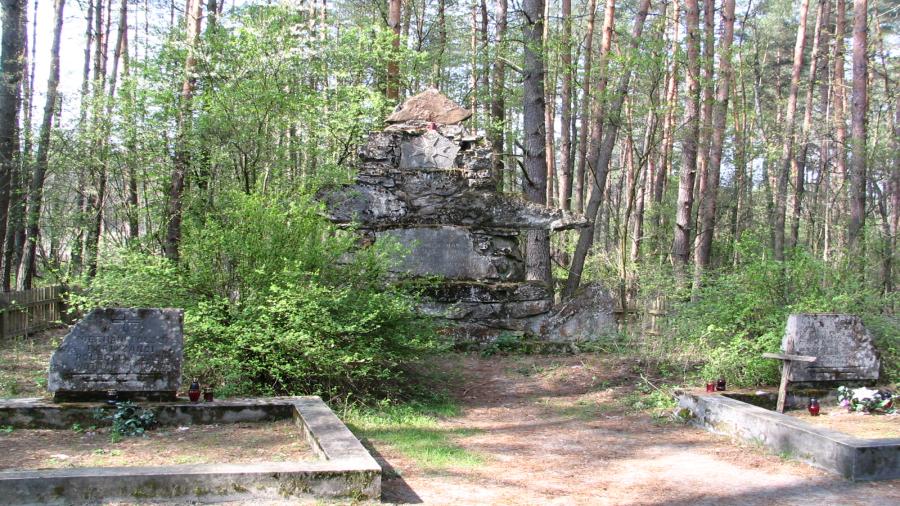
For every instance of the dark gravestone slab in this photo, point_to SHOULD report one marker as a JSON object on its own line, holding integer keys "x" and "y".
{"x": 844, "y": 349}
{"x": 136, "y": 352}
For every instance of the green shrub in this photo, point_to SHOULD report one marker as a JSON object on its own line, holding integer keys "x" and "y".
{"x": 130, "y": 278}
{"x": 741, "y": 313}
{"x": 277, "y": 301}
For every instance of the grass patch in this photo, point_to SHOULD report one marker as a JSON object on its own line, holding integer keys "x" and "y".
{"x": 414, "y": 430}
{"x": 24, "y": 362}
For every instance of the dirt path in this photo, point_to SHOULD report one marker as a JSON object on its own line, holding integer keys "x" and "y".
{"x": 553, "y": 430}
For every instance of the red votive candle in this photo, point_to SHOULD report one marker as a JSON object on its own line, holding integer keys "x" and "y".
{"x": 813, "y": 407}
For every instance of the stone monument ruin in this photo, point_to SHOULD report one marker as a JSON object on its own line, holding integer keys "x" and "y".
{"x": 426, "y": 183}
{"x": 135, "y": 352}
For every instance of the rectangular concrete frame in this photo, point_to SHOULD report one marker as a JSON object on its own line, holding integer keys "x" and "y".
{"x": 853, "y": 458}
{"x": 345, "y": 470}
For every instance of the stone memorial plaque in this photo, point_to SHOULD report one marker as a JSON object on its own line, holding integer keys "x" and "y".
{"x": 457, "y": 253}
{"x": 135, "y": 351}
{"x": 843, "y": 348}
{"x": 430, "y": 150}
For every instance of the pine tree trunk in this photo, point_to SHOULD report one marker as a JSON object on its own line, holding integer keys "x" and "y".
{"x": 787, "y": 145}
{"x": 498, "y": 93}
{"x": 840, "y": 177}
{"x": 565, "y": 134}
{"x": 392, "y": 85}
{"x": 438, "y": 79}
{"x": 858, "y": 106}
{"x": 182, "y": 154}
{"x": 681, "y": 241}
{"x": 668, "y": 134}
{"x": 707, "y": 83}
{"x": 36, "y": 191}
{"x": 537, "y": 247}
{"x": 894, "y": 240}
{"x": 12, "y": 52}
{"x": 586, "y": 119}
{"x": 803, "y": 148}
{"x": 549, "y": 109}
{"x": 601, "y": 169}
{"x": 709, "y": 196}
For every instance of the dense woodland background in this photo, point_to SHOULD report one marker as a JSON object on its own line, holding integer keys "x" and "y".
{"x": 740, "y": 158}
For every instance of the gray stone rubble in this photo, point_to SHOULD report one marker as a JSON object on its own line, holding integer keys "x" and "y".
{"x": 426, "y": 183}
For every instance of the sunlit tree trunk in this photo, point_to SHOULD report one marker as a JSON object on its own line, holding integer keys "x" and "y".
{"x": 586, "y": 119}
{"x": 182, "y": 154}
{"x": 858, "y": 106}
{"x": 392, "y": 86}
{"x": 707, "y": 85}
{"x": 840, "y": 177}
{"x": 549, "y": 109}
{"x": 565, "y": 134}
{"x": 799, "y": 169}
{"x": 601, "y": 169}
{"x": 668, "y": 134}
{"x": 681, "y": 246}
{"x": 708, "y": 198}
{"x": 498, "y": 94}
{"x": 787, "y": 145}
{"x": 36, "y": 190}
{"x": 537, "y": 247}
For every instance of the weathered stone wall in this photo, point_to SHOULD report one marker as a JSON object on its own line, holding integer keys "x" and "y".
{"x": 428, "y": 186}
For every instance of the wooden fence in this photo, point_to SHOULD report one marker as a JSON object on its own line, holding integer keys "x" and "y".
{"x": 30, "y": 310}
{"x": 646, "y": 316}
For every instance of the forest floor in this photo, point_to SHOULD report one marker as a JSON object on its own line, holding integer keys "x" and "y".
{"x": 570, "y": 430}
{"x": 554, "y": 429}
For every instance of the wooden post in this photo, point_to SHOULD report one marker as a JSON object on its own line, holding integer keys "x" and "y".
{"x": 786, "y": 359}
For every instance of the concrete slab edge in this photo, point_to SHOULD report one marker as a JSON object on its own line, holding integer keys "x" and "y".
{"x": 346, "y": 469}
{"x": 853, "y": 458}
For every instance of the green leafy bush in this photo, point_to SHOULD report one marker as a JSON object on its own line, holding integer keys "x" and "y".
{"x": 278, "y": 301}
{"x": 129, "y": 278}
{"x": 741, "y": 313}
{"x": 128, "y": 419}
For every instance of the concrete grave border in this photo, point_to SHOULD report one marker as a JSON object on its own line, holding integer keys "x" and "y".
{"x": 853, "y": 458}
{"x": 345, "y": 468}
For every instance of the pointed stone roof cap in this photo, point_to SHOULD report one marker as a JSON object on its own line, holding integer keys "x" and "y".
{"x": 431, "y": 106}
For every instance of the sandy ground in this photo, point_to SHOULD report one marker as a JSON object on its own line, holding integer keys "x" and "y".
{"x": 555, "y": 430}
{"x": 194, "y": 444}
{"x": 862, "y": 425}
{"x": 560, "y": 437}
